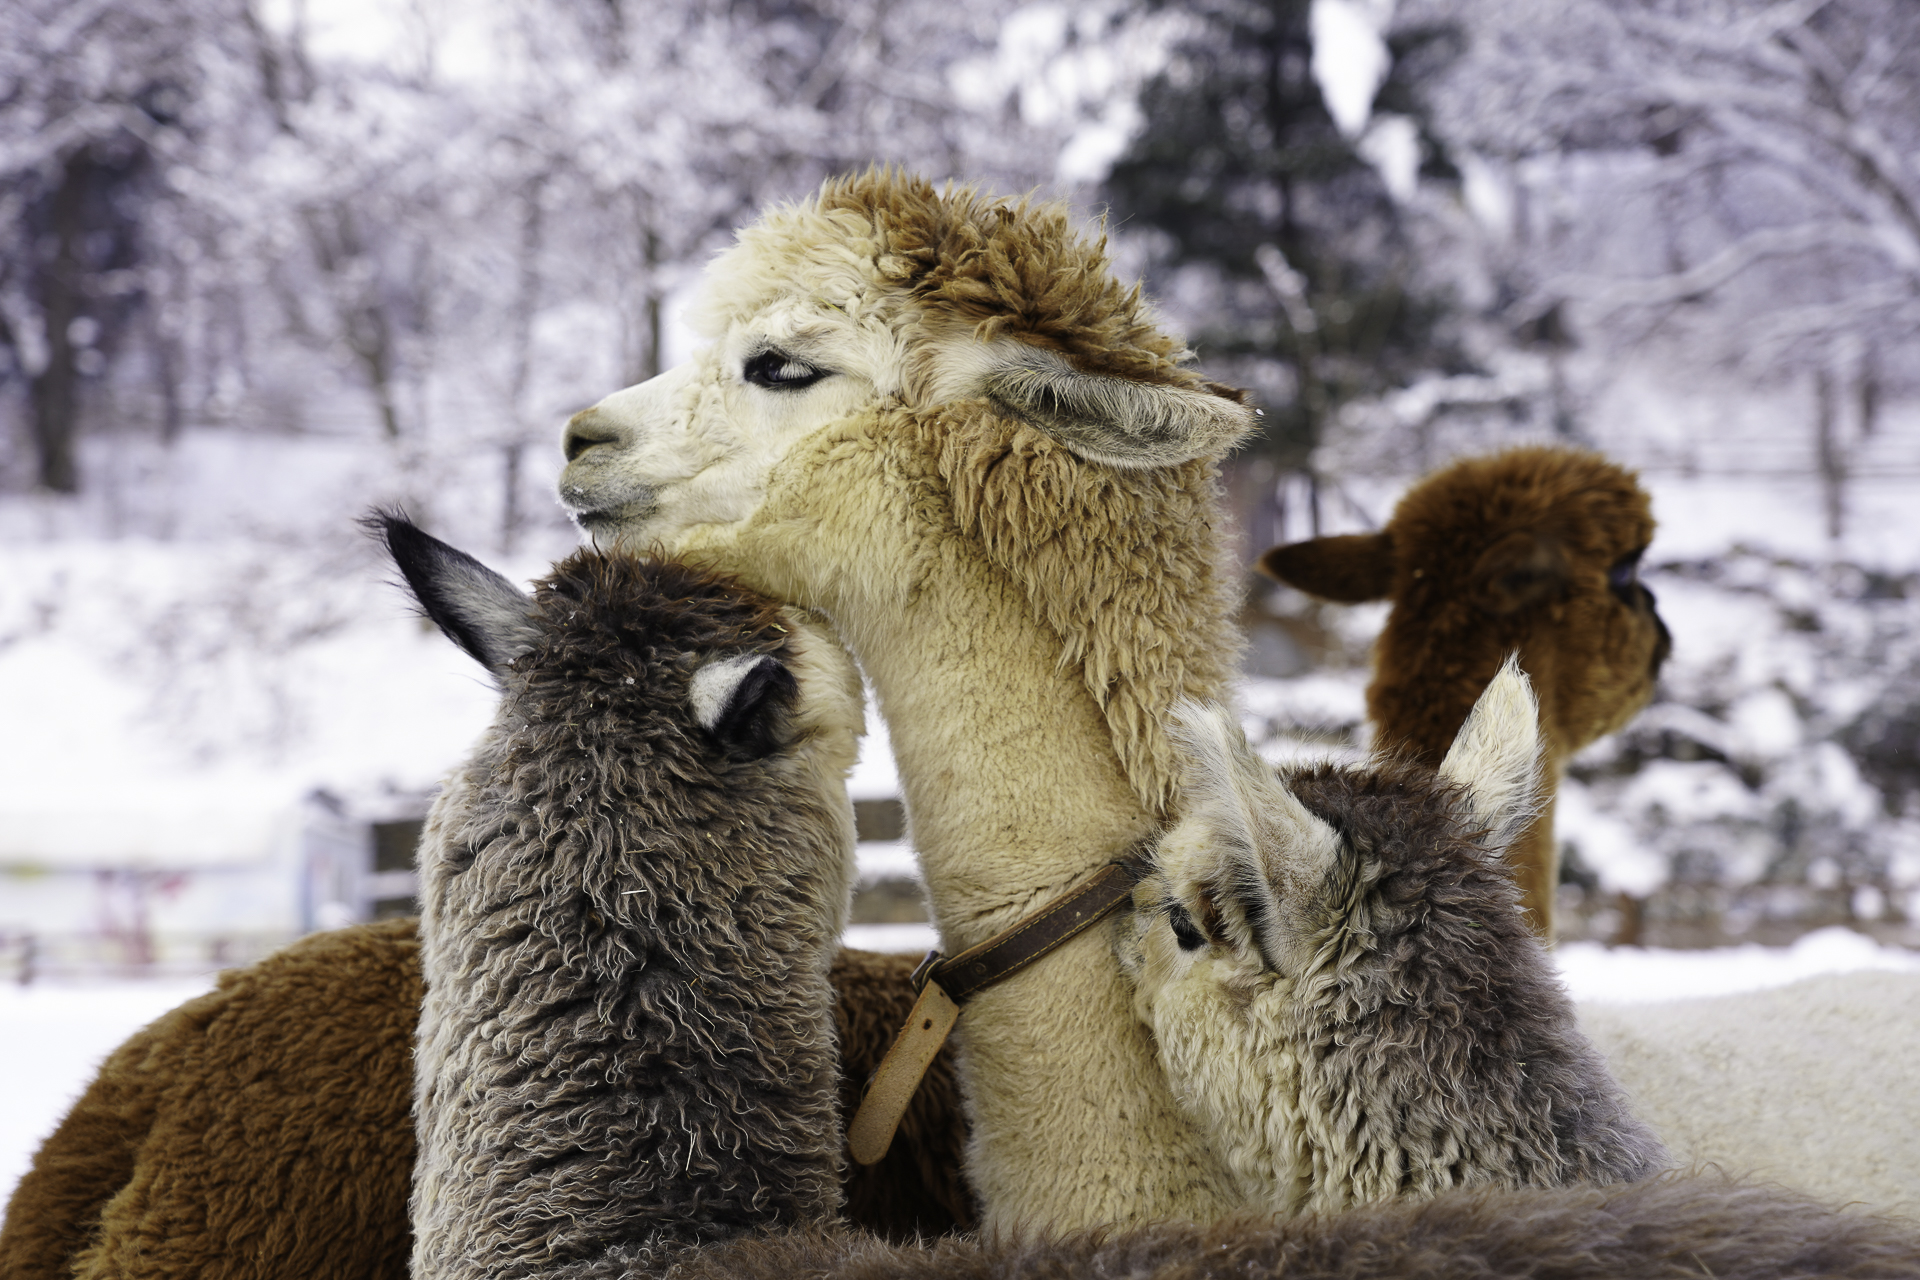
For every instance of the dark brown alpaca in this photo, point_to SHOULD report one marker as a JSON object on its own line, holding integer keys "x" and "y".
{"x": 1535, "y": 550}
{"x": 1655, "y": 1230}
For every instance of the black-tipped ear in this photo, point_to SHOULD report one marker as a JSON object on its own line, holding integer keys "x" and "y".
{"x": 475, "y": 607}
{"x": 743, "y": 701}
{"x": 1347, "y": 569}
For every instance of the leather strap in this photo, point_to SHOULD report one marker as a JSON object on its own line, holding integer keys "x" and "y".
{"x": 1013, "y": 949}
{"x": 944, "y": 983}
{"x": 899, "y": 1074}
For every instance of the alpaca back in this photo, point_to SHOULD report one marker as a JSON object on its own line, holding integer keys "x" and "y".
{"x": 630, "y": 897}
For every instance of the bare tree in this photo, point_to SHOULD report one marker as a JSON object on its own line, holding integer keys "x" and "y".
{"x": 1734, "y": 176}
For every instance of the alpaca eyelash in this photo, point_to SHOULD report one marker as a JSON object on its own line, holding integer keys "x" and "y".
{"x": 1623, "y": 578}
{"x": 775, "y": 370}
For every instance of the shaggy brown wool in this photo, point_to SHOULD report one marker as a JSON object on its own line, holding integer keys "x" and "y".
{"x": 259, "y": 1130}
{"x": 1660, "y": 1230}
{"x": 225, "y": 1140}
{"x": 1017, "y": 270}
{"x": 1533, "y": 550}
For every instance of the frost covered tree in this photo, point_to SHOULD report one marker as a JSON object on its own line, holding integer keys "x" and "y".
{"x": 95, "y": 108}
{"x": 1731, "y": 180}
{"x": 1772, "y": 785}
{"x": 464, "y": 218}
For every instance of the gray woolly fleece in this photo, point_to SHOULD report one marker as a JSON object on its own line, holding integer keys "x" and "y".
{"x": 1654, "y": 1230}
{"x": 626, "y": 1043}
{"x": 1435, "y": 1039}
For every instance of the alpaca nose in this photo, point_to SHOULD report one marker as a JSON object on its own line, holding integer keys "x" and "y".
{"x": 585, "y": 430}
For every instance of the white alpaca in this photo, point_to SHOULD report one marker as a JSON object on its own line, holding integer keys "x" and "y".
{"x": 1815, "y": 1085}
{"x": 939, "y": 420}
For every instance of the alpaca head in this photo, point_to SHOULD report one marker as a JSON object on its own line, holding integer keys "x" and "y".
{"x": 1536, "y": 550}
{"x": 889, "y": 367}
{"x": 883, "y": 292}
{"x": 681, "y": 668}
{"x": 1339, "y": 982}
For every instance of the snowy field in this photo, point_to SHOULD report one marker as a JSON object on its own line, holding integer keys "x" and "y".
{"x": 51, "y": 1038}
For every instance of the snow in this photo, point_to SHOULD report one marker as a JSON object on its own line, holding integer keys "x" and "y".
{"x": 1350, "y": 58}
{"x": 1636, "y": 975}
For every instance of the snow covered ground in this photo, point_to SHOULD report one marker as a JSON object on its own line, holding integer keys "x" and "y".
{"x": 51, "y": 1038}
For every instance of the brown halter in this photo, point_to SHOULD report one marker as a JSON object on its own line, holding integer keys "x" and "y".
{"x": 944, "y": 982}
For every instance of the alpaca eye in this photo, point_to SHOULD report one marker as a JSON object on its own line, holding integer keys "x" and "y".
{"x": 1624, "y": 578}
{"x": 778, "y": 371}
{"x": 1184, "y": 933}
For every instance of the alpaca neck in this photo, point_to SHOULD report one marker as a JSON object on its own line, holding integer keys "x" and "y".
{"x": 1431, "y": 694}
{"x": 1014, "y": 793}
{"x": 1007, "y": 766}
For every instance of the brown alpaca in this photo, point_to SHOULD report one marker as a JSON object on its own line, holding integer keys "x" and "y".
{"x": 263, "y": 1131}
{"x": 1662, "y": 1229}
{"x": 1535, "y": 550}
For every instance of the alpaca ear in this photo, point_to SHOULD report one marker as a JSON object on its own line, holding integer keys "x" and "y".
{"x": 1521, "y": 569}
{"x": 1209, "y": 744}
{"x": 1496, "y": 755}
{"x": 1261, "y": 848}
{"x": 1349, "y": 569}
{"x": 743, "y": 702}
{"x": 1118, "y": 421}
{"x": 472, "y": 605}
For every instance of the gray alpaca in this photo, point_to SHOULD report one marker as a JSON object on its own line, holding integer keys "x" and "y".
{"x": 630, "y": 895}
{"x": 1342, "y": 988}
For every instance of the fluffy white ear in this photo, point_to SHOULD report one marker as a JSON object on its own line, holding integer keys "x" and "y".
{"x": 742, "y": 701}
{"x": 1206, "y": 737}
{"x": 1496, "y": 755}
{"x": 1244, "y": 839}
{"x": 1118, "y": 421}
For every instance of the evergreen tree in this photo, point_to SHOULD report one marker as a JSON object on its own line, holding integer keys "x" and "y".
{"x": 1243, "y": 172}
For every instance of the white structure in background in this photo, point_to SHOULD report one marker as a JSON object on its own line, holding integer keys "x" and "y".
{"x": 159, "y": 879}
{"x": 195, "y": 883}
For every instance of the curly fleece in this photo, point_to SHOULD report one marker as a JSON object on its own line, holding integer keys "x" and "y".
{"x": 626, "y": 1040}
{"x": 263, "y": 1130}
{"x": 1435, "y": 1045}
{"x": 1656, "y": 1230}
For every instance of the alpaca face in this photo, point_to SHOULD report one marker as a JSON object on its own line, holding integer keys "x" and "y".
{"x": 1293, "y": 927}
{"x": 861, "y": 300}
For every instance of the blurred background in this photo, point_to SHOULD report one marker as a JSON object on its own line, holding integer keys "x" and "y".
{"x": 264, "y": 263}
